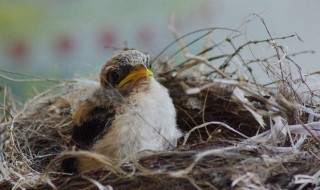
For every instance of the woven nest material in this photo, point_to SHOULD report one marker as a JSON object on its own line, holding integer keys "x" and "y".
{"x": 238, "y": 134}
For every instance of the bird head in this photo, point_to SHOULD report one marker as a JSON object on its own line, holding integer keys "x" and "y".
{"x": 126, "y": 71}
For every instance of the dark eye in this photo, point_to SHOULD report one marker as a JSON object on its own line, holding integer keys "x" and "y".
{"x": 114, "y": 77}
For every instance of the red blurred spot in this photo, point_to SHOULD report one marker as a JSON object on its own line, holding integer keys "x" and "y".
{"x": 108, "y": 38}
{"x": 65, "y": 45}
{"x": 145, "y": 34}
{"x": 19, "y": 50}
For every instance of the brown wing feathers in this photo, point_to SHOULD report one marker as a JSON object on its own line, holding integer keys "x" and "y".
{"x": 91, "y": 122}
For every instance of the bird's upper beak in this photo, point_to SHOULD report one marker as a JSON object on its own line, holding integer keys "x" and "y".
{"x": 139, "y": 72}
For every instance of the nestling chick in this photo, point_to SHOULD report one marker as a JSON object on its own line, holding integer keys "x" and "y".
{"x": 128, "y": 113}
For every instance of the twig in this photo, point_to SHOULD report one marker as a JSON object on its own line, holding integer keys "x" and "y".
{"x": 188, "y": 34}
{"x": 30, "y": 80}
{"x": 186, "y": 136}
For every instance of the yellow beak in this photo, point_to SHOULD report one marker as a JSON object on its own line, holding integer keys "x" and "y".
{"x": 139, "y": 72}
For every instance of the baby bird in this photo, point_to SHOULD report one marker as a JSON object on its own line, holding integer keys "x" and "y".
{"x": 128, "y": 113}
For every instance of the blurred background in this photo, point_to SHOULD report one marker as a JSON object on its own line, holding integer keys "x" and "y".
{"x": 67, "y": 39}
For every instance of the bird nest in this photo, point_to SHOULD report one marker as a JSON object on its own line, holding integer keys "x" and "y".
{"x": 238, "y": 133}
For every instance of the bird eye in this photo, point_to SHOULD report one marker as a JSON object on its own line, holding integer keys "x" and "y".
{"x": 114, "y": 77}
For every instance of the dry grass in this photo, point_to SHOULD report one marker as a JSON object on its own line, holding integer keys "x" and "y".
{"x": 239, "y": 133}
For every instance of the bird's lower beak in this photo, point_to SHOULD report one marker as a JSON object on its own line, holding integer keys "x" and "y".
{"x": 139, "y": 72}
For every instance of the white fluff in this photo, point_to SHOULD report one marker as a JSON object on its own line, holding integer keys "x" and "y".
{"x": 144, "y": 120}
